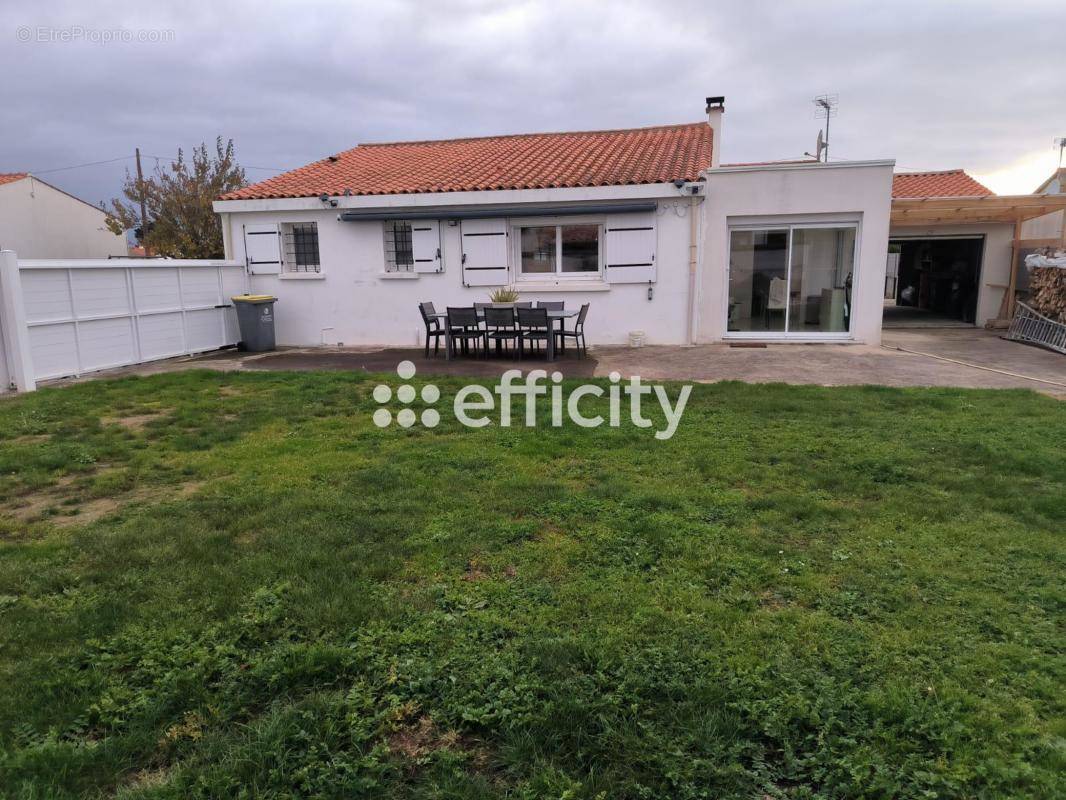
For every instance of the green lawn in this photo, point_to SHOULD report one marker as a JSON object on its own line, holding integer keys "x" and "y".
{"x": 238, "y": 586}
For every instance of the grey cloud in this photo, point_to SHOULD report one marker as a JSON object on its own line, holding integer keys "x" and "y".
{"x": 935, "y": 85}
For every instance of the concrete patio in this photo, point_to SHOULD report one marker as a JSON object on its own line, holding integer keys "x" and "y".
{"x": 963, "y": 357}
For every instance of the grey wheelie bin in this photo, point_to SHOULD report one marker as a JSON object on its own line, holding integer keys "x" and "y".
{"x": 255, "y": 316}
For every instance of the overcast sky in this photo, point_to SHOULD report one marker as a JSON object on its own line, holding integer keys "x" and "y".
{"x": 934, "y": 85}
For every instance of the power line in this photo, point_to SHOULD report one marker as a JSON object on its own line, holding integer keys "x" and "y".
{"x": 79, "y": 166}
{"x": 243, "y": 166}
{"x": 131, "y": 156}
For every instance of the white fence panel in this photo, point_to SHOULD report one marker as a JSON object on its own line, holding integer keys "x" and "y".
{"x": 100, "y": 292}
{"x": 54, "y": 349}
{"x": 162, "y": 336}
{"x": 87, "y": 315}
{"x": 46, "y": 295}
{"x": 104, "y": 343}
{"x": 155, "y": 289}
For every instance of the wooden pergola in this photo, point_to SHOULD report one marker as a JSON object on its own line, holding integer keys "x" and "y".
{"x": 1012, "y": 209}
{"x": 960, "y": 210}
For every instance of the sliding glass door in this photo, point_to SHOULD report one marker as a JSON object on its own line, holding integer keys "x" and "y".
{"x": 791, "y": 280}
{"x": 758, "y": 267}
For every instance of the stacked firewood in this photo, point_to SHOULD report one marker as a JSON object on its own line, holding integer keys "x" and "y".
{"x": 1047, "y": 292}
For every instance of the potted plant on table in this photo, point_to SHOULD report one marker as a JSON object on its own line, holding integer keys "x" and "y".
{"x": 504, "y": 297}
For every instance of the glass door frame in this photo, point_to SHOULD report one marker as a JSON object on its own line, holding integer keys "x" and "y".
{"x": 791, "y": 226}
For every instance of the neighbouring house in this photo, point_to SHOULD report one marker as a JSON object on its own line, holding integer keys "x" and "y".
{"x": 644, "y": 224}
{"x": 955, "y": 249}
{"x": 1049, "y": 227}
{"x": 37, "y": 220}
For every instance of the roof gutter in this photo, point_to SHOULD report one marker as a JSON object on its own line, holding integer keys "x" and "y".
{"x": 502, "y": 211}
{"x": 803, "y": 165}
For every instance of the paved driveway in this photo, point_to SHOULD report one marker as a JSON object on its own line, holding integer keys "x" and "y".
{"x": 925, "y": 357}
{"x": 909, "y": 357}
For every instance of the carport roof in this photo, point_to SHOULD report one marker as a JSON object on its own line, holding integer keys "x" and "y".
{"x": 989, "y": 208}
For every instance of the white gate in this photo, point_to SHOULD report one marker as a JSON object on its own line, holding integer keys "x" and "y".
{"x": 92, "y": 314}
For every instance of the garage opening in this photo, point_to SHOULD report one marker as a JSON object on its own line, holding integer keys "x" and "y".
{"x": 933, "y": 281}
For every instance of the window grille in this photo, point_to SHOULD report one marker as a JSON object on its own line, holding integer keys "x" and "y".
{"x": 301, "y": 247}
{"x": 399, "y": 246}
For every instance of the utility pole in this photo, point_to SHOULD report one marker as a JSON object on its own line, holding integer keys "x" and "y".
{"x": 140, "y": 190}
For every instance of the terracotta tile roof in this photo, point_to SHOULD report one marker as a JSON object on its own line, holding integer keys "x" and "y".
{"x": 948, "y": 183}
{"x": 523, "y": 161}
{"x": 11, "y": 177}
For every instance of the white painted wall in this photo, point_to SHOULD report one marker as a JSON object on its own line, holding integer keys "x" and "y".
{"x": 40, "y": 221}
{"x": 843, "y": 192}
{"x": 355, "y": 302}
{"x": 995, "y": 259}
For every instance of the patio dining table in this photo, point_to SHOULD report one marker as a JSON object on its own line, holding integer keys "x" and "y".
{"x": 554, "y": 314}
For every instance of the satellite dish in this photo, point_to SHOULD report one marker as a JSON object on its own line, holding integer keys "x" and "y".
{"x": 819, "y": 148}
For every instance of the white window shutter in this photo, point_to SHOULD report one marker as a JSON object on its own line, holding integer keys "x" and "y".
{"x": 484, "y": 252}
{"x": 262, "y": 249}
{"x": 425, "y": 242}
{"x": 629, "y": 248}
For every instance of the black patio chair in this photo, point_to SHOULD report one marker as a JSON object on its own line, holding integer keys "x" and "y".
{"x": 535, "y": 326}
{"x": 462, "y": 325}
{"x": 434, "y": 330}
{"x": 500, "y": 328}
{"x": 553, "y": 305}
{"x": 480, "y": 309}
{"x": 577, "y": 334}
{"x": 524, "y": 304}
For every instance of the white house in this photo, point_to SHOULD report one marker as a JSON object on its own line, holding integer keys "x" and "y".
{"x": 643, "y": 224}
{"x": 1053, "y": 225}
{"x": 37, "y": 220}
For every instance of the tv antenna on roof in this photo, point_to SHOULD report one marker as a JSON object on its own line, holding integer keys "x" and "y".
{"x": 825, "y": 107}
{"x": 1061, "y": 144}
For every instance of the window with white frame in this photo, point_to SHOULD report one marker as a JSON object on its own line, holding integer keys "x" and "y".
{"x": 569, "y": 251}
{"x": 791, "y": 279}
{"x": 300, "y": 245}
{"x": 399, "y": 246}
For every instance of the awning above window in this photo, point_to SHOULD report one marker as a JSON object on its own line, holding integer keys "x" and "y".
{"x": 356, "y": 215}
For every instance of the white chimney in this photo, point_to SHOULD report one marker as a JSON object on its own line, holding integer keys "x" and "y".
{"x": 715, "y": 109}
